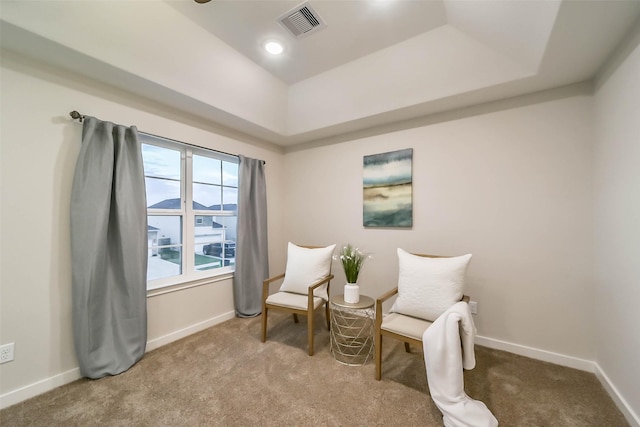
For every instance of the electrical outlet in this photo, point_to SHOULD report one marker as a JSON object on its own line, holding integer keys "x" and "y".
{"x": 6, "y": 353}
{"x": 473, "y": 306}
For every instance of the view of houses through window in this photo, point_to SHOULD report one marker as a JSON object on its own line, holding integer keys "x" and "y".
{"x": 192, "y": 204}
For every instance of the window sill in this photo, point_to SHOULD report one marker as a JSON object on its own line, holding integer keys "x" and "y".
{"x": 187, "y": 285}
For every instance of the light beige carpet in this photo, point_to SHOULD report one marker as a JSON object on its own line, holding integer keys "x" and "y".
{"x": 224, "y": 376}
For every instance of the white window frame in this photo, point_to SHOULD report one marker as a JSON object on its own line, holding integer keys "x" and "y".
{"x": 189, "y": 274}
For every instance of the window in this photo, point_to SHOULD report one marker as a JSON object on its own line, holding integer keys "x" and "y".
{"x": 192, "y": 206}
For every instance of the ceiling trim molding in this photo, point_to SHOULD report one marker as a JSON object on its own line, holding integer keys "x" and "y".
{"x": 584, "y": 88}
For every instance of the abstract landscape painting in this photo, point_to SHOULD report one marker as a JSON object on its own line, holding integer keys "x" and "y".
{"x": 387, "y": 197}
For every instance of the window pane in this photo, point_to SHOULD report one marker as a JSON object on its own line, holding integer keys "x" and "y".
{"x": 163, "y": 194}
{"x": 206, "y": 170}
{"x": 161, "y": 162}
{"x": 162, "y": 176}
{"x": 230, "y": 174}
{"x": 164, "y": 235}
{"x": 215, "y": 242}
{"x": 213, "y": 186}
{"x": 206, "y": 196}
{"x": 230, "y": 198}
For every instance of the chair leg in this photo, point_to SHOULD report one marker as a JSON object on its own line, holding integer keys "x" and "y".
{"x": 327, "y": 314}
{"x": 378, "y": 350}
{"x": 264, "y": 324}
{"x": 407, "y": 347}
{"x": 295, "y": 317}
{"x": 310, "y": 332}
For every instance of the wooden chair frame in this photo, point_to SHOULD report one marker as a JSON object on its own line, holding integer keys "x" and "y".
{"x": 309, "y": 312}
{"x": 379, "y": 332}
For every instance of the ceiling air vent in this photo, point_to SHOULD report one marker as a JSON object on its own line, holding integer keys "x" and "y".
{"x": 302, "y": 21}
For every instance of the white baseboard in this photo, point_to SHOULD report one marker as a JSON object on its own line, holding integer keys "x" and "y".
{"x": 571, "y": 362}
{"x": 632, "y": 418}
{"x": 182, "y": 333}
{"x": 32, "y": 390}
{"x": 535, "y": 353}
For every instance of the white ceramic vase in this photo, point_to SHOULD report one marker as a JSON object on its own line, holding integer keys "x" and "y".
{"x": 351, "y": 293}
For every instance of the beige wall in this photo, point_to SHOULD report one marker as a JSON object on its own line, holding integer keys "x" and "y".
{"x": 515, "y": 187}
{"x": 216, "y": 74}
{"x": 511, "y": 187}
{"x": 39, "y": 148}
{"x": 617, "y": 224}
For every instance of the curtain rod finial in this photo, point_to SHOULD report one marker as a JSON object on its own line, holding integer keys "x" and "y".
{"x": 76, "y": 116}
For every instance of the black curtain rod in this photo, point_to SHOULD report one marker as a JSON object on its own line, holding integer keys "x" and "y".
{"x": 77, "y": 116}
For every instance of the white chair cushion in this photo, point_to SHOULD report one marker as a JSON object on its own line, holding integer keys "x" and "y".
{"x": 297, "y": 301}
{"x": 427, "y": 287}
{"x": 411, "y": 327}
{"x": 305, "y": 267}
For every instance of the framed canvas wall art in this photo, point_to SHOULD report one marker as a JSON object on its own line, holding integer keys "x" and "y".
{"x": 387, "y": 189}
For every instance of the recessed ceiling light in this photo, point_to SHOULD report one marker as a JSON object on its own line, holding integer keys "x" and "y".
{"x": 274, "y": 47}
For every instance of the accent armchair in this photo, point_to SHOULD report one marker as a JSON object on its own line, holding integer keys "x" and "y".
{"x": 304, "y": 289}
{"x": 427, "y": 286}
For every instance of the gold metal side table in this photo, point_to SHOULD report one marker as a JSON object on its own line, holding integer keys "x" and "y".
{"x": 352, "y": 330}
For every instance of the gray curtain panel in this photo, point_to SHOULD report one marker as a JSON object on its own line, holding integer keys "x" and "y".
{"x": 109, "y": 250}
{"x": 252, "y": 257}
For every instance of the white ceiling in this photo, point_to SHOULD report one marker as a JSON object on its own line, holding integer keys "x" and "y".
{"x": 522, "y": 30}
{"x": 354, "y": 29}
{"x": 378, "y": 62}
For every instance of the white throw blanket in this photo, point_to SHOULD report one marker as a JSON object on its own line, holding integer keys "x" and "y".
{"x": 445, "y": 358}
